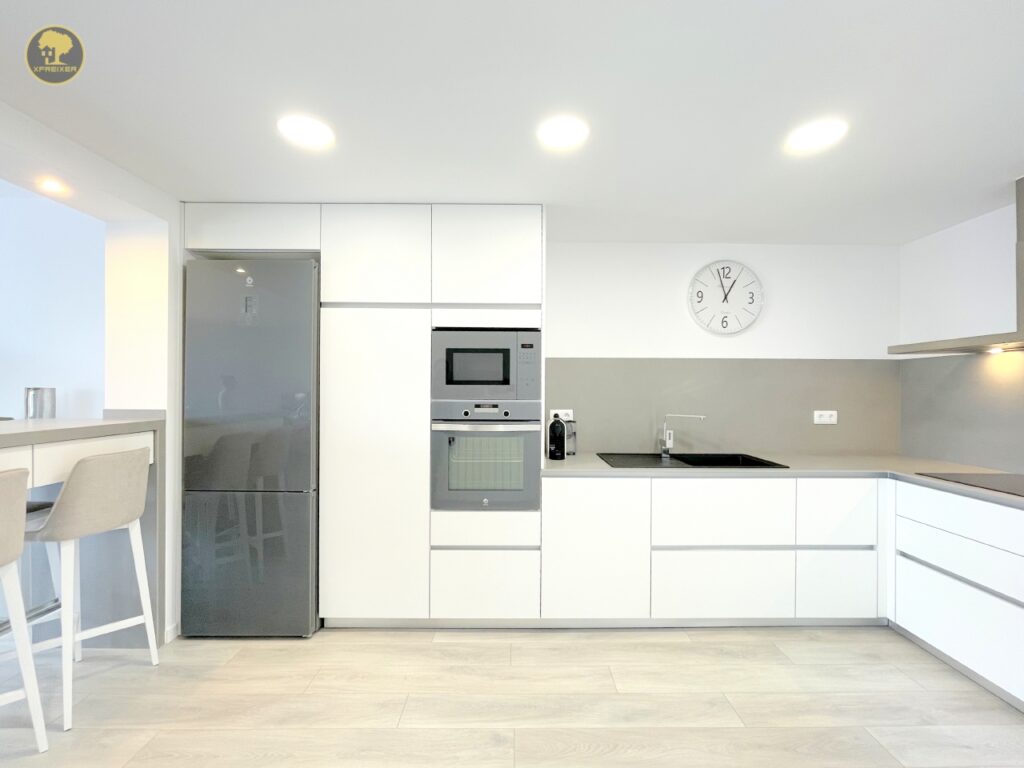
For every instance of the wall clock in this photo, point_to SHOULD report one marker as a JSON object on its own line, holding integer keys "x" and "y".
{"x": 726, "y": 297}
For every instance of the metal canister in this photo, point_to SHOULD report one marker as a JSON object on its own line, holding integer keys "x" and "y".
{"x": 40, "y": 403}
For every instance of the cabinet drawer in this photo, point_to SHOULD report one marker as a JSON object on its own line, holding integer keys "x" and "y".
{"x": 983, "y": 632}
{"x": 484, "y": 584}
{"x": 53, "y": 462}
{"x": 19, "y": 457}
{"x": 695, "y": 584}
{"x": 837, "y": 511}
{"x": 993, "y": 568}
{"x": 834, "y": 584}
{"x": 479, "y": 529}
{"x": 723, "y": 512}
{"x": 982, "y": 521}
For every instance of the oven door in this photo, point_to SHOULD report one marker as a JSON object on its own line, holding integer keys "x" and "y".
{"x": 474, "y": 365}
{"x": 485, "y": 466}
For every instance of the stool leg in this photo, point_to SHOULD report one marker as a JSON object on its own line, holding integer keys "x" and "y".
{"x": 19, "y": 628}
{"x": 139, "y": 557}
{"x": 67, "y": 623}
{"x": 78, "y": 598}
{"x": 53, "y": 560}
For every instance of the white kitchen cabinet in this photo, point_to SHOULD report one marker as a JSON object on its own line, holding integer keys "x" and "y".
{"x": 722, "y": 584}
{"x": 487, "y": 254}
{"x": 375, "y": 253}
{"x": 726, "y": 511}
{"x": 252, "y": 226}
{"x": 491, "y": 528}
{"x": 837, "y": 511}
{"x": 982, "y": 521}
{"x": 484, "y": 584}
{"x": 596, "y": 548}
{"x": 836, "y": 584}
{"x": 983, "y": 632}
{"x": 374, "y": 462}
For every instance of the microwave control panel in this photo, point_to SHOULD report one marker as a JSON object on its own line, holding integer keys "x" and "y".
{"x": 528, "y": 364}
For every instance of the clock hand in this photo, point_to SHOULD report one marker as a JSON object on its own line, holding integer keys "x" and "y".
{"x": 734, "y": 284}
{"x": 725, "y": 296}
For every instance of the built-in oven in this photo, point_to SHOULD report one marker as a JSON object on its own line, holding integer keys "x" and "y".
{"x": 485, "y": 364}
{"x": 483, "y": 465}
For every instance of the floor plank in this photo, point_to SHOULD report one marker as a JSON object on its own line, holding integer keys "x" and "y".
{"x": 763, "y": 678}
{"x": 462, "y": 679}
{"x": 412, "y": 654}
{"x": 365, "y": 747}
{"x": 810, "y": 652}
{"x": 77, "y": 748}
{"x": 568, "y": 711}
{"x": 623, "y": 653}
{"x": 984, "y": 746}
{"x": 703, "y": 747}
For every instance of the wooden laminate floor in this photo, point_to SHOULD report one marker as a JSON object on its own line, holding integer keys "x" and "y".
{"x": 827, "y": 698}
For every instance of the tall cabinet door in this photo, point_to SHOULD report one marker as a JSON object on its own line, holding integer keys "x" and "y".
{"x": 374, "y": 463}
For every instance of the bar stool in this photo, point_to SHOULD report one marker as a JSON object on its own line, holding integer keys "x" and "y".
{"x": 103, "y": 493}
{"x": 13, "y": 488}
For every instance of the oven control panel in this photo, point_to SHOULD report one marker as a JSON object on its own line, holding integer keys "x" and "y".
{"x": 528, "y": 363}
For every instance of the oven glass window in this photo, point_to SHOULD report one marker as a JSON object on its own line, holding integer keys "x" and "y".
{"x": 477, "y": 366}
{"x": 491, "y": 463}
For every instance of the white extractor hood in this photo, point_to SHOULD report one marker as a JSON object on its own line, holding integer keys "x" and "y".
{"x": 1007, "y": 341}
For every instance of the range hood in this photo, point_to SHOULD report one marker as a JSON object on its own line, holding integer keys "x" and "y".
{"x": 1009, "y": 340}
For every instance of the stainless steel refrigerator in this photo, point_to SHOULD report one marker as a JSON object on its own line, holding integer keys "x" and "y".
{"x": 249, "y": 517}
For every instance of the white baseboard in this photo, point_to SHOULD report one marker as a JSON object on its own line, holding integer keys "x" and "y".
{"x": 171, "y": 632}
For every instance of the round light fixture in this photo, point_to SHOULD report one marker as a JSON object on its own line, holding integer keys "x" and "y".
{"x": 52, "y": 186}
{"x": 815, "y": 136}
{"x": 306, "y": 132}
{"x": 562, "y": 133}
{"x": 239, "y": 270}
{"x": 996, "y": 350}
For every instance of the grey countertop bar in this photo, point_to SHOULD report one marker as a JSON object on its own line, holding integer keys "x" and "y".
{"x": 36, "y": 431}
{"x": 894, "y": 466}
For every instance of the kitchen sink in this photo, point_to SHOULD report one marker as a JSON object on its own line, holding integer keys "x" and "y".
{"x": 686, "y": 461}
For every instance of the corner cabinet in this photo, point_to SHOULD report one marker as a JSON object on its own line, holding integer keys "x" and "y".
{"x": 374, "y": 463}
{"x": 596, "y": 536}
{"x": 487, "y": 254}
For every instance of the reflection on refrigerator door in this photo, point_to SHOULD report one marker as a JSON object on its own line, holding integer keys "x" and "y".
{"x": 244, "y": 552}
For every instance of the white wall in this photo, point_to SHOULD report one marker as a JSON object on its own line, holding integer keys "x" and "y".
{"x": 960, "y": 281}
{"x": 136, "y": 315}
{"x": 51, "y": 304}
{"x": 630, "y": 300}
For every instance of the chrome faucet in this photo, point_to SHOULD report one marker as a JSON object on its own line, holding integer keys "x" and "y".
{"x": 668, "y": 436}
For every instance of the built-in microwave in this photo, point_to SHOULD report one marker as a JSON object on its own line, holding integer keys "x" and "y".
{"x": 485, "y": 364}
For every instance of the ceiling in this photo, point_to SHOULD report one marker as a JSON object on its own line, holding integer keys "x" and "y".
{"x": 688, "y": 104}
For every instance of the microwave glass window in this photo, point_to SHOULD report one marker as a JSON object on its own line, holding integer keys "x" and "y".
{"x": 477, "y": 366}
{"x": 485, "y": 463}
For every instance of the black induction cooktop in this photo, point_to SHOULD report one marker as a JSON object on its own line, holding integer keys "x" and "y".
{"x": 1013, "y": 484}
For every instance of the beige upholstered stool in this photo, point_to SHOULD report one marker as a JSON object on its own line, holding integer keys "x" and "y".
{"x": 103, "y": 493}
{"x": 13, "y": 489}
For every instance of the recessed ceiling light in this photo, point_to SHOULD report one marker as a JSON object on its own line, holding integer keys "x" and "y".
{"x": 562, "y": 133}
{"x": 996, "y": 351}
{"x": 815, "y": 136}
{"x": 306, "y": 132}
{"x": 53, "y": 186}
{"x": 239, "y": 270}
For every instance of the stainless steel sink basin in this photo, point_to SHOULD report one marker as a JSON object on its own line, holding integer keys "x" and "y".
{"x": 686, "y": 460}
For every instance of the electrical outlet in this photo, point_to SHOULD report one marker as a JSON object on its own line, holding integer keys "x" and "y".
{"x": 565, "y": 414}
{"x": 826, "y": 417}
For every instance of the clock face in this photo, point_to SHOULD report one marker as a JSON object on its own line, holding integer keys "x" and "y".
{"x": 726, "y": 297}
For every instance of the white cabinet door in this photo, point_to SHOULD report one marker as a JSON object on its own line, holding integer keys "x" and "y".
{"x": 374, "y": 512}
{"x": 701, "y": 511}
{"x": 836, "y": 584}
{"x": 722, "y": 584}
{"x": 596, "y": 544}
{"x": 982, "y": 521}
{"x": 375, "y": 253}
{"x": 252, "y": 226}
{"x": 983, "y": 632}
{"x": 484, "y": 584}
{"x": 487, "y": 254}
{"x": 837, "y": 511}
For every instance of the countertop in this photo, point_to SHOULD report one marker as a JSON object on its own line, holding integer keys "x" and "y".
{"x": 895, "y": 466}
{"x": 35, "y": 431}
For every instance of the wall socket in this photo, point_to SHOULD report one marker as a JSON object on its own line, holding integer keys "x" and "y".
{"x": 826, "y": 417}
{"x": 565, "y": 414}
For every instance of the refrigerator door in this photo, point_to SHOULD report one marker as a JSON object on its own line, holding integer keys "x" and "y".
{"x": 248, "y": 564}
{"x": 250, "y": 375}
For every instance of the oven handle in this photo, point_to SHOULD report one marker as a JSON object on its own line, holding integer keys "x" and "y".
{"x": 463, "y": 426}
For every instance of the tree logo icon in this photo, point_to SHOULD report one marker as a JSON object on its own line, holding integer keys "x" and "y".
{"x": 55, "y": 55}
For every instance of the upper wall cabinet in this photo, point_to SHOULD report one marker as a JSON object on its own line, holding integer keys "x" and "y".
{"x": 375, "y": 253}
{"x": 487, "y": 254}
{"x": 252, "y": 226}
